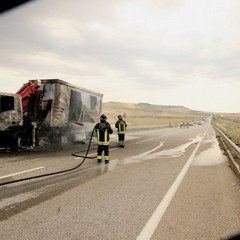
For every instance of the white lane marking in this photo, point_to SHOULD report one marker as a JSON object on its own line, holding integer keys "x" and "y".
{"x": 156, "y": 217}
{"x": 146, "y": 140}
{"x": 171, "y": 133}
{"x": 30, "y": 170}
{"x": 159, "y": 136}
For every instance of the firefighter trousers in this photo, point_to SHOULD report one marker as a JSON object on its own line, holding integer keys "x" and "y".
{"x": 121, "y": 139}
{"x": 101, "y": 149}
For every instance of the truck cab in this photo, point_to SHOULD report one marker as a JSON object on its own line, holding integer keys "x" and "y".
{"x": 11, "y": 118}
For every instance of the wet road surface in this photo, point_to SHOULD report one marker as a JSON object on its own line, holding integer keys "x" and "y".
{"x": 167, "y": 184}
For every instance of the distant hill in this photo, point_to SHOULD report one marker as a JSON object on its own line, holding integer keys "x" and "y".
{"x": 149, "y": 114}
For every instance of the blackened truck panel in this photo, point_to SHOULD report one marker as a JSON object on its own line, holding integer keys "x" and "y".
{"x": 70, "y": 103}
{"x": 72, "y": 114}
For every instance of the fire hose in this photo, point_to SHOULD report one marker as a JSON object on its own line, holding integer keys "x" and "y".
{"x": 75, "y": 154}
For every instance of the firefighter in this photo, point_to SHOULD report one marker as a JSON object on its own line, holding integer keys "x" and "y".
{"x": 121, "y": 126}
{"x": 103, "y": 129}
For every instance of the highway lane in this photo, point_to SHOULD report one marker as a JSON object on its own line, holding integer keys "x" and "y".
{"x": 168, "y": 184}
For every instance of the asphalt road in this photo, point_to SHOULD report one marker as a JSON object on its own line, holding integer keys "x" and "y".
{"x": 173, "y": 183}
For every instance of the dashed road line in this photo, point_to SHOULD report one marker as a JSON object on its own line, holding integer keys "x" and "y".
{"x": 156, "y": 217}
{"x": 145, "y": 140}
{"x": 17, "y": 173}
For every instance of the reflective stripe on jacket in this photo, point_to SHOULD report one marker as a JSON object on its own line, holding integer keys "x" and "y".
{"x": 121, "y": 126}
{"x": 103, "y": 129}
{"x": 102, "y": 137}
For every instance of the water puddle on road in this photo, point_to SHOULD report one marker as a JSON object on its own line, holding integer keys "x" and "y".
{"x": 153, "y": 153}
{"x": 211, "y": 156}
{"x": 9, "y": 203}
{"x": 17, "y": 199}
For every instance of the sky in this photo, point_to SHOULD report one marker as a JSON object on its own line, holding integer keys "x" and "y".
{"x": 163, "y": 52}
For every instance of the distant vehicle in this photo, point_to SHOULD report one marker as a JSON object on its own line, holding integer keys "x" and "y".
{"x": 49, "y": 111}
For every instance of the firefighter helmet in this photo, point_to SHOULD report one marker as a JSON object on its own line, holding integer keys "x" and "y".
{"x": 103, "y": 117}
{"x": 120, "y": 117}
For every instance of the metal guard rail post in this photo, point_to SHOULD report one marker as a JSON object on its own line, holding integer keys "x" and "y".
{"x": 228, "y": 144}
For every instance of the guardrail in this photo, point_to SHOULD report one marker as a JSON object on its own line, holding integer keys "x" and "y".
{"x": 231, "y": 148}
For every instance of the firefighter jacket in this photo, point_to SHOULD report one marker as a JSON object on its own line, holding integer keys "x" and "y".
{"x": 121, "y": 125}
{"x": 103, "y": 129}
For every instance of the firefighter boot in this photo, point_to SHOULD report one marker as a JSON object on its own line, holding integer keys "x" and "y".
{"x": 106, "y": 159}
{"x": 99, "y": 159}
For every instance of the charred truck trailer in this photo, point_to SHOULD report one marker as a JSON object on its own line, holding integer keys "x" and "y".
{"x": 49, "y": 111}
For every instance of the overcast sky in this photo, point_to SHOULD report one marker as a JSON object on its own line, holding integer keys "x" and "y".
{"x": 164, "y": 52}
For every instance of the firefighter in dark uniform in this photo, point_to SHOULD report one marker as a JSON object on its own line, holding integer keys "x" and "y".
{"x": 121, "y": 126}
{"x": 103, "y": 129}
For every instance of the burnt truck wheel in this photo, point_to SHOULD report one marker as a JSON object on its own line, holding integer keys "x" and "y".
{"x": 17, "y": 143}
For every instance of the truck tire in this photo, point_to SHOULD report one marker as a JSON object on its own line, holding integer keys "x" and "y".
{"x": 17, "y": 143}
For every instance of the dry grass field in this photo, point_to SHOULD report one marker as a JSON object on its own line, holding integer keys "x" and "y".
{"x": 148, "y": 114}
{"x": 229, "y": 123}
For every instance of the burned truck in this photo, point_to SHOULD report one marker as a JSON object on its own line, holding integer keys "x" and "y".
{"x": 47, "y": 112}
